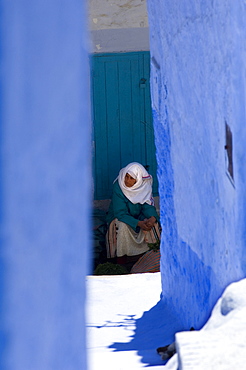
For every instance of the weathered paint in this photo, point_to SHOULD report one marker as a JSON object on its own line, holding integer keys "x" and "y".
{"x": 118, "y": 26}
{"x": 115, "y": 14}
{"x": 198, "y": 84}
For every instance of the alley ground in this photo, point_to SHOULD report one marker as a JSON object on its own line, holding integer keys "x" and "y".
{"x": 124, "y": 325}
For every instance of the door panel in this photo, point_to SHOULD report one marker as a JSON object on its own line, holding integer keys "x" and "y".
{"x": 123, "y": 130}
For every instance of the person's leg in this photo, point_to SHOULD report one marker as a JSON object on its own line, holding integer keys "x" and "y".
{"x": 129, "y": 242}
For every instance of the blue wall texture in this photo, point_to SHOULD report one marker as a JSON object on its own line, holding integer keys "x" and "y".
{"x": 44, "y": 184}
{"x": 198, "y": 85}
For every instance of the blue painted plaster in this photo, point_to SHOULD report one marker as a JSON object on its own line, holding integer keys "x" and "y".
{"x": 197, "y": 50}
{"x": 44, "y": 184}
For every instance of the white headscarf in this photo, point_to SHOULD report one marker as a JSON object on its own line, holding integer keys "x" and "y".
{"x": 141, "y": 191}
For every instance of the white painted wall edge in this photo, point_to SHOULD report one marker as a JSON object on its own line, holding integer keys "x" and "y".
{"x": 120, "y": 40}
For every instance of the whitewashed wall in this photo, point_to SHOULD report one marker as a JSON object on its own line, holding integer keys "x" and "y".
{"x": 118, "y": 25}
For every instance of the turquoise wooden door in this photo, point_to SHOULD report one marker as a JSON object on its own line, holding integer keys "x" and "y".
{"x": 123, "y": 130}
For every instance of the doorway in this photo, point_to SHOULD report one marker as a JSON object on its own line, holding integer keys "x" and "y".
{"x": 123, "y": 129}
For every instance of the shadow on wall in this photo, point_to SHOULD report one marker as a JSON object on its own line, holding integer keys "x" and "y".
{"x": 188, "y": 285}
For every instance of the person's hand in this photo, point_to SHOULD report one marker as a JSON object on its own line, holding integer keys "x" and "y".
{"x": 144, "y": 225}
{"x": 151, "y": 221}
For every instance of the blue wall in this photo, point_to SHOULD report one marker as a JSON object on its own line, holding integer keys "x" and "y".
{"x": 198, "y": 84}
{"x": 44, "y": 184}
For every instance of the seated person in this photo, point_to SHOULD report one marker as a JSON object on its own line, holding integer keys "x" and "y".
{"x": 132, "y": 217}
